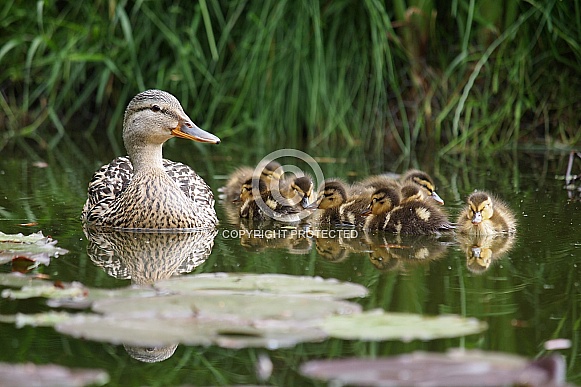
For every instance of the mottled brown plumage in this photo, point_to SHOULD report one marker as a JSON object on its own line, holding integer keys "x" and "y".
{"x": 143, "y": 190}
{"x": 485, "y": 215}
{"x": 271, "y": 172}
{"x": 411, "y": 217}
{"x": 424, "y": 181}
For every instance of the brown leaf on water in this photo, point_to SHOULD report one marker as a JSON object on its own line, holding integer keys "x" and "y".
{"x": 22, "y": 264}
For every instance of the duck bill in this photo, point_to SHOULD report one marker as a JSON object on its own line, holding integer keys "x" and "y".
{"x": 477, "y": 218}
{"x": 437, "y": 198}
{"x": 314, "y": 205}
{"x": 190, "y": 131}
{"x": 305, "y": 202}
{"x": 366, "y": 211}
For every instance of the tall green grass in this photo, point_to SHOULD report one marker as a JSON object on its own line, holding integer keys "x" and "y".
{"x": 461, "y": 75}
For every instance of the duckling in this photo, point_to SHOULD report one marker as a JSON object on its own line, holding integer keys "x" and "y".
{"x": 272, "y": 171}
{"x": 144, "y": 190}
{"x": 412, "y": 217}
{"x": 332, "y": 194}
{"x": 340, "y": 204}
{"x": 373, "y": 183}
{"x": 486, "y": 214}
{"x": 424, "y": 181}
{"x": 299, "y": 190}
{"x": 252, "y": 209}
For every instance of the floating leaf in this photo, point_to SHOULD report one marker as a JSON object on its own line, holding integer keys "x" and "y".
{"x": 287, "y": 285}
{"x": 47, "y": 319}
{"x": 159, "y": 332}
{"x": 455, "y": 368}
{"x": 18, "y": 280}
{"x": 248, "y": 307}
{"x": 48, "y": 290}
{"x": 49, "y": 375}
{"x": 378, "y": 325}
{"x": 35, "y": 246}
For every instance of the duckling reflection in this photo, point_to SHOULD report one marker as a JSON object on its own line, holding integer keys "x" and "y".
{"x": 391, "y": 252}
{"x": 336, "y": 244}
{"x": 267, "y": 236}
{"x": 146, "y": 257}
{"x": 482, "y": 250}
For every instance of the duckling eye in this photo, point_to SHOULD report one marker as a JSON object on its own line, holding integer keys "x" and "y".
{"x": 155, "y": 108}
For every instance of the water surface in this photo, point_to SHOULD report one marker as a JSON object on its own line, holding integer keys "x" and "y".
{"x": 528, "y": 293}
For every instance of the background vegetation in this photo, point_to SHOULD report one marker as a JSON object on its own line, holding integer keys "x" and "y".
{"x": 461, "y": 74}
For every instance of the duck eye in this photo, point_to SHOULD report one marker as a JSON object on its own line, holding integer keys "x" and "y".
{"x": 155, "y": 108}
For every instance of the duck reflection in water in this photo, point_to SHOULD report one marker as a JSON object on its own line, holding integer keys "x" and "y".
{"x": 482, "y": 250}
{"x": 147, "y": 257}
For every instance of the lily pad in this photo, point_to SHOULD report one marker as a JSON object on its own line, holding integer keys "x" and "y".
{"x": 287, "y": 285}
{"x": 163, "y": 332}
{"x": 49, "y": 375}
{"x": 247, "y": 307}
{"x": 455, "y": 368}
{"x": 35, "y": 247}
{"x": 18, "y": 280}
{"x": 48, "y": 290}
{"x": 377, "y": 325}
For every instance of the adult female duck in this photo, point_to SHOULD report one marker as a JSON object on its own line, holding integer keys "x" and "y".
{"x": 143, "y": 190}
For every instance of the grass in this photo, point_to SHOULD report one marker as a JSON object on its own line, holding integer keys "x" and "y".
{"x": 463, "y": 75}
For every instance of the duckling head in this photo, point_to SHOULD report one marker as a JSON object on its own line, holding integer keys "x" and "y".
{"x": 331, "y": 195}
{"x": 153, "y": 117}
{"x": 480, "y": 207}
{"x": 411, "y": 192}
{"x": 246, "y": 189}
{"x": 424, "y": 181}
{"x": 383, "y": 200}
{"x": 271, "y": 172}
{"x": 303, "y": 187}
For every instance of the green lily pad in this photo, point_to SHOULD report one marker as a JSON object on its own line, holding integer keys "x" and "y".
{"x": 287, "y": 285}
{"x": 46, "y": 319}
{"x": 35, "y": 246}
{"x": 377, "y": 325}
{"x": 50, "y": 375}
{"x": 47, "y": 290}
{"x": 163, "y": 332}
{"x": 18, "y": 280}
{"x": 247, "y": 307}
{"x": 455, "y": 368}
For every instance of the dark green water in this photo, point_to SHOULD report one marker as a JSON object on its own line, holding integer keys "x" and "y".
{"x": 528, "y": 295}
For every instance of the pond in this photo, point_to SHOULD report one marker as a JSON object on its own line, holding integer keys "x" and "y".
{"x": 527, "y": 294}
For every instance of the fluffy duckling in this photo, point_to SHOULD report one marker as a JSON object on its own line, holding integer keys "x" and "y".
{"x": 252, "y": 209}
{"x": 424, "y": 181}
{"x": 411, "y": 217}
{"x": 486, "y": 215}
{"x": 332, "y": 194}
{"x": 231, "y": 191}
{"x": 340, "y": 204}
{"x": 300, "y": 190}
{"x": 373, "y": 183}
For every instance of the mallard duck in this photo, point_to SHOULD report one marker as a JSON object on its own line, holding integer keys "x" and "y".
{"x": 485, "y": 214}
{"x": 143, "y": 190}
{"x": 411, "y": 217}
{"x": 271, "y": 172}
{"x": 339, "y": 204}
{"x": 424, "y": 181}
{"x": 260, "y": 204}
